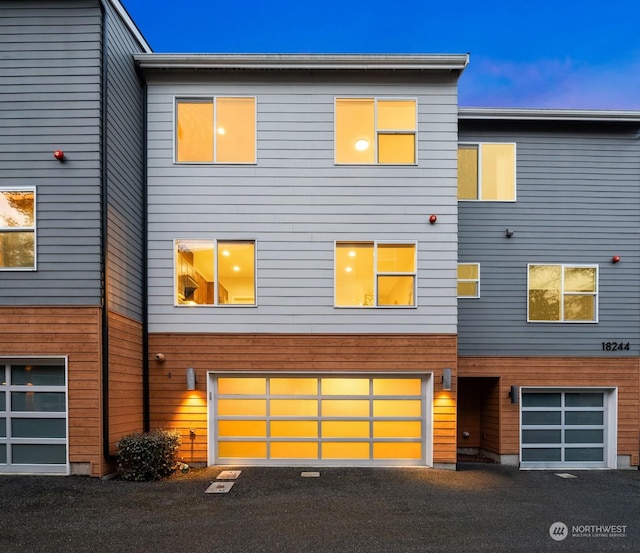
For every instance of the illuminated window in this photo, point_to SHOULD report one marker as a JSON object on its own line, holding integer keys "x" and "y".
{"x": 487, "y": 172}
{"x": 216, "y": 130}
{"x": 198, "y": 262}
{"x": 468, "y": 280}
{"x": 372, "y": 274}
{"x": 563, "y": 293}
{"x": 17, "y": 229}
{"x": 370, "y": 130}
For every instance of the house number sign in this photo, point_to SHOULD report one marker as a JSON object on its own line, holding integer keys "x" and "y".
{"x": 615, "y": 346}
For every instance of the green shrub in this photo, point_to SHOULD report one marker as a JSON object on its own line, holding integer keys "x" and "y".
{"x": 148, "y": 456}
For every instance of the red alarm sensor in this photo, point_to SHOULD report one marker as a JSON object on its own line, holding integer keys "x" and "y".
{"x": 59, "y": 155}
{"x": 433, "y": 219}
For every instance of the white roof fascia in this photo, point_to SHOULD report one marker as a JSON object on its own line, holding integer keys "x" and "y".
{"x": 417, "y": 62}
{"x": 527, "y": 114}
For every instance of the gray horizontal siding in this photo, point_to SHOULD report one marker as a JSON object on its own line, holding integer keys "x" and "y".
{"x": 50, "y": 99}
{"x": 125, "y": 184}
{"x": 295, "y": 202}
{"x": 578, "y": 200}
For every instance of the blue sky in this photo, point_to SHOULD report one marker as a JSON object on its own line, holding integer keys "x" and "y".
{"x": 581, "y": 54}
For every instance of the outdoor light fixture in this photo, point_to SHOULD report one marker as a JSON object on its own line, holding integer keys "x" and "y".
{"x": 615, "y": 259}
{"x": 191, "y": 378}
{"x": 508, "y": 233}
{"x": 513, "y": 394}
{"x": 59, "y": 155}
{"x": 433, "y": 219}
{"x": 446, "y": 379}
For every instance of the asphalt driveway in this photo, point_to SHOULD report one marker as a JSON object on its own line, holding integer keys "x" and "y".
{"x": 479, "y": 508}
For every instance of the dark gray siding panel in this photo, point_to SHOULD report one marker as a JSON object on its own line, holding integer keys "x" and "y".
{"x": 50, "y": 99}
{"x": 125, "y": 216}
{"x": 578, "y": 200}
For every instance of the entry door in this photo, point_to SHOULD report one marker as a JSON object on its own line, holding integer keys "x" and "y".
{"x": 328, "y": 420}
{"x": 567, "y": 428}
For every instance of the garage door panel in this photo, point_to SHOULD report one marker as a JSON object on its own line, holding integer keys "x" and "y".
{"x": 352, "y": 419}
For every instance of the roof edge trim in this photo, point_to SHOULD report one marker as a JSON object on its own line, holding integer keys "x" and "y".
{"x": 527, "y": 114}
{"x": 452, "y": 62}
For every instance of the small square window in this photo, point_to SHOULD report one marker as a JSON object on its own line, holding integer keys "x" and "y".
{"x": 370, "y": 131}
{"x": 210, "y": 272}
{"x": 18, "y": 229}
{"x": 371, "y": 274}
{"x": 487, "y": 172}
{"x": 562, "y": 293}
{"x": 216, "y": 130}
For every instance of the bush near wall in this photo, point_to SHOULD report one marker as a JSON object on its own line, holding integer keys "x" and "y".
{"x": 149, "y": 455}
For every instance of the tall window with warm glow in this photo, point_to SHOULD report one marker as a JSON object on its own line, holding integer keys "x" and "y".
{"x": 370, "y": 131}
{"x": 372, "y": 274}
{"x": 17, "y": 228}
{"x": 487, "y": 172}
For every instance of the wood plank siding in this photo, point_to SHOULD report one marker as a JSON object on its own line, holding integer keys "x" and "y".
{"x": 620, "y": 372}
{"x": 173, "y": 407}
{"x": 74, "y": 332}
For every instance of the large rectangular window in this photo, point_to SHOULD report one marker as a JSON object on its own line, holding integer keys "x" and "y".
{"x": 487, "y": 172}
{"x": 373, "y": 274}
{"x": 370, "y": 131}
{"x": 215, "y": 130}
{"x": 563, "y": 293}
{"x": 18, "y": 228}
{"x": 215, "y": 272}
{"x": 468, "y": 280}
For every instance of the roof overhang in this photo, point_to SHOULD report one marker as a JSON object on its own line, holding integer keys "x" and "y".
{"x": 358, "y": 62}
{"x": 526, "y": 114}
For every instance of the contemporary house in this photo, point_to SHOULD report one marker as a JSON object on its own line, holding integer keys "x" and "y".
{"x": 71, "y": 234}
{"x": 304, "y": 259}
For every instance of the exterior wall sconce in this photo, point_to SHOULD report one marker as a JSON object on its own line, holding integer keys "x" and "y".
{"x": 433, "y": 219}
{"x": 615, "y": 259}
{"x": 191, "y": 379}
{"x": 508, "y": 233}
{"x": 446, "y": 379}
{"x": 59, "y": 155}
{"x": 513, "y": 394}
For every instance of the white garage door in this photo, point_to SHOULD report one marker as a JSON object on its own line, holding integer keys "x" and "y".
{"x": 566, "y": 428}
{"x": 33, "y": 416}
{"x": 328, "y": 420}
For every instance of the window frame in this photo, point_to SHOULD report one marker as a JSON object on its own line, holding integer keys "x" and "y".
{"x": 32, "y": 228}
{"x": 479, "y": 146}
{"x": 215, "y": 242}
{"x": 377, "y": 132}
{"x": 376, "y": 273}
{"x": 472, "y": 280}
{"x": 195, "y": 98}
{"x": 563, "y": 266}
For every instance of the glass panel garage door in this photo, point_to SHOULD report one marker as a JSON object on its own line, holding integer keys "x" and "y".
{"x": 564, "y": 428}
{"x": 319, "y": 420}
{"x": 33, "y": 417}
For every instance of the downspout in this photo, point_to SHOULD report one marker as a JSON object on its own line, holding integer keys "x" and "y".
{"x": 145, "y": 299}
{"x": 103, "y": 236}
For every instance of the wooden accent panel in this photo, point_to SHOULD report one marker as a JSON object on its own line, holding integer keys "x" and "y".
{"x": 125, "y": 378}
{"x": 623, "y": 373}
{"x": 171, "y": 406}
{"x": 65, "y": 331}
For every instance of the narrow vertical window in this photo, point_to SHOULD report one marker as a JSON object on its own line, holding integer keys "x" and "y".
{"x": 468, "y": 280}
{"x": 17, "y": 229}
